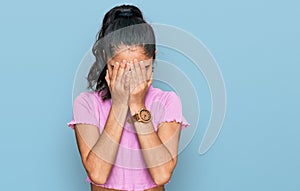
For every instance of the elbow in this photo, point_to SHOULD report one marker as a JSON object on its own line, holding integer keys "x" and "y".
{"x": 162, "y": 178}
{"x": 95, "y": 173}
{"x": 97, "y": 178}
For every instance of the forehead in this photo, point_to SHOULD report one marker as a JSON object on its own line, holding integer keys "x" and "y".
{"x": 128, "y": 53}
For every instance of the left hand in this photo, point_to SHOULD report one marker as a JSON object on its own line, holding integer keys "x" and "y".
{"x": 139, "y": 83}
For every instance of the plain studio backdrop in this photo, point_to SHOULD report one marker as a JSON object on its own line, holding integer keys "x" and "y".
{"x": 255, "y": 43}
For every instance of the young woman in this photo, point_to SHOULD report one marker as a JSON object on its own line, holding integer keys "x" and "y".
{"x": 127, "y": 131}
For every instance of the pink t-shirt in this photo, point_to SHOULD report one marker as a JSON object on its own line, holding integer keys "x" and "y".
{"x": 129, "y": 171}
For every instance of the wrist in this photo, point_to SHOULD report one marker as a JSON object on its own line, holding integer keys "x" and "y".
{"x": 119, "y": 112}
{"x": 119, "y": 105}
{"x": 134, "y": 108}
{"x": 120, "y": 108}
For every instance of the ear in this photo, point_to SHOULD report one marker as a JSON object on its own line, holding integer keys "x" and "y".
{"x": 155, "y": 51}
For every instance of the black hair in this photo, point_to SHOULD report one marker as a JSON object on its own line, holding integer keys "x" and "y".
{"x": 122, "y": 25}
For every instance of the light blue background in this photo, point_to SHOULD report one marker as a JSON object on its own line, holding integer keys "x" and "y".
{"x": 256, "y": 44}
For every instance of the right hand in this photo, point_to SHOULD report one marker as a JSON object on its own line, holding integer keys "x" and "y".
{"x": 119, "y": 83}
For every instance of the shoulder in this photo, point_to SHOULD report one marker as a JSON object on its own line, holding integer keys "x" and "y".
{"x": 84, "y": 96}
{"x": 163, "y": 95}
{"x": 88, "y": 98}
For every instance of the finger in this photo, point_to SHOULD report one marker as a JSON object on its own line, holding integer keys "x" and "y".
{"x": 133, "y": 76}
{"x": 131, "y": 84}
{"x": 150, "y": 80}
{"x": 115, "y": 72}
{"x": 122, "y": 75}
{"x": 109, "y": 71}
{"x": 137, "y": 69}
{"x": 107, "y": 78}
{"x": 126, "y": 78}
{"x": 121, "y": 71}
{"x": 143, "y": 70}
{"x": 149, "y": 70}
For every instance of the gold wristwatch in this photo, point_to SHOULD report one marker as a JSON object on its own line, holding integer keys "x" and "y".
{"x": 143, "y": 115}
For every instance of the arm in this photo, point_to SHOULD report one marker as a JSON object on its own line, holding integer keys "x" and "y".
{"x": 159, "y": 149}
{"x": 98, "y": 152}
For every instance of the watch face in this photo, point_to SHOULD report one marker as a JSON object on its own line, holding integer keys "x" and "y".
{"x": 145, "y": 115}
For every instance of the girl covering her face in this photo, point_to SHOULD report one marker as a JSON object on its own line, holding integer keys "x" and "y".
{"x": 127, "y": 131}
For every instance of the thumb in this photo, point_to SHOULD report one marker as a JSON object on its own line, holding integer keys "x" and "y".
{"x": 150, "y": 80}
